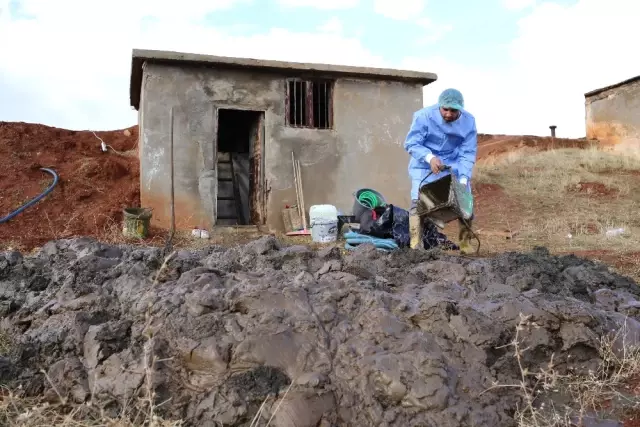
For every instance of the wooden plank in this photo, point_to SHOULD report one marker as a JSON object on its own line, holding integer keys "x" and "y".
{"x": 308, "y": 86}
{"x": 224, "y": 171}
{"x": 214, "y": 165}
{"x": 304, "y": 213}
{"x": 224, "y": 157}
{"x": 236, "y": 192}
{"x": 225, "y": 189}
{"x": 256, "y": 178}
{"x": 226, "y": 209}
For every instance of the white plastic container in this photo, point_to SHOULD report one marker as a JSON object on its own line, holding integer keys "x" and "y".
{"x": 323, "y": 212}
{"x": 323, "y": 220}
{"x": 614, "y": 232}
{"x": 324, "y": 230}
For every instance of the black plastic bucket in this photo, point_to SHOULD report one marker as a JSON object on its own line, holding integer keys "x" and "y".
{"x": 359, "y": 208}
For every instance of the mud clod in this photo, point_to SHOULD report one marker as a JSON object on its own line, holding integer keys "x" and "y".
{"x": 367, "y": 338}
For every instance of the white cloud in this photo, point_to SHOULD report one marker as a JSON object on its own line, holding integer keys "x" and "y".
{"x": 518, "y": 4}
{"x": 122, "y": 9}
{"x": 434, "y": 31}
{"x": 479, "y": 86}
{"x": 411, "y": 11}
{"x": 71, "y": 64}
{"x": 321, "y": 4}
{"x": 4, "y": 9}
{"x": 333, "y": 25}
{"x": 561, "y": 52}
{"x": 399, "y": 9}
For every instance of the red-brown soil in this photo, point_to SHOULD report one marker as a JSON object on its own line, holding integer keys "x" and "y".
{"x": 593, "y": 189}
{"x": 493, "y": 205}
{"x": 93, "y": 186}
{"x": 615, "y": 259}
{"x": 630, "y": 418}
{"x": 492, "y": 147}
{"x": 632, "y": 422}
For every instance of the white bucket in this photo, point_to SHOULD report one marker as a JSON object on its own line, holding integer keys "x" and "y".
{"x": 324, "y": 230}
{"x": 322, "y": 212}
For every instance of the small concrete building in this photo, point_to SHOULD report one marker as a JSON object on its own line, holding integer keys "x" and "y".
{"x": 237, "y": 122}
{"x": 613, "y": 114}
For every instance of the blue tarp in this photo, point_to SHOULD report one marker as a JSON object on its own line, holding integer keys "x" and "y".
{"x": 354, "y": 239}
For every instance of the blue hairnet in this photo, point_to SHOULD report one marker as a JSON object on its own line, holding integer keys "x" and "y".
{"x": 451, "y": 98}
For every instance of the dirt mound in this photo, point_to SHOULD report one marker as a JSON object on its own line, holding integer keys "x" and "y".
{"x": 493, "y": 147}
{"x": 367, "y": 338}
{"x": 93, "y": 187}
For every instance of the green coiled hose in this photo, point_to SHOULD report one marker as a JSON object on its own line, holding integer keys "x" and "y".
{"x": 369, "y": 199}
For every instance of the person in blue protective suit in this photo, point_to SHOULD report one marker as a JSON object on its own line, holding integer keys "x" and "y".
{"x": 441, "y": 135}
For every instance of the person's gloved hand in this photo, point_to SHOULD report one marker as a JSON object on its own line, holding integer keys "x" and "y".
{"x": 435, "y": 163}
{"x": 465, "y": 181}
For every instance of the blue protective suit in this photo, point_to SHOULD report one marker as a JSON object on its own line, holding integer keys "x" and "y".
{"x": 455, "y": 144}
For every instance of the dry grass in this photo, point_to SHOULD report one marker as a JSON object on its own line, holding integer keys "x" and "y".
{"x": 6, "y": 343}
{"x": 604, "y": 392}
{"x": 224, "y": 236}
{"x": 553, "y": 209}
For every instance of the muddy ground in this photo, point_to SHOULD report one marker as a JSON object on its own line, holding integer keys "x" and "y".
{"x": 368, "y": 339}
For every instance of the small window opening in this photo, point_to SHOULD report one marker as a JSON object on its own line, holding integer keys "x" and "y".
{"x": 309, "y": 104}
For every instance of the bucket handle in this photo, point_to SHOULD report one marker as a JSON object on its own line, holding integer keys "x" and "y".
{"x": 145, "y": 210}
{"x": 444, "y": 168}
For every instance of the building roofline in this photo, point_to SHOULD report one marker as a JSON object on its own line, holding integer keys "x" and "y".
{"x": 140, "y": 56}
{"x": 613, "y": 86}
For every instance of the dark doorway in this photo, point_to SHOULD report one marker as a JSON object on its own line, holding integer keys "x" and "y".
{"x": 240, "y": 142}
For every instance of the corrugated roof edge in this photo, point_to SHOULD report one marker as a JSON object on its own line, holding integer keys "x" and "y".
{"x": 139, "y": 56}
{"x": 613, "y": 86}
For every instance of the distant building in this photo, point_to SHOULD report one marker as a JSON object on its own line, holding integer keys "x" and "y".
{"x": 238, "y": 120}
{"x": 613, "y": 114}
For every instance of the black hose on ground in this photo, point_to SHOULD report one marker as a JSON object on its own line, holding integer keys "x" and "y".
{"x": 35, "y": 199}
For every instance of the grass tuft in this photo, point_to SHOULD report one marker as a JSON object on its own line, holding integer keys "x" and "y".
{"x": 607, "y": 391}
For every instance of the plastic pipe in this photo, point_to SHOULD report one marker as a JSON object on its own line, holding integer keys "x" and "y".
{"x": 35, "y": 199}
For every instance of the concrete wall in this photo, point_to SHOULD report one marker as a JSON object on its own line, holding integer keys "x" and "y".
{"x": 613, "y": 116}
{"x": 363, "y": 150}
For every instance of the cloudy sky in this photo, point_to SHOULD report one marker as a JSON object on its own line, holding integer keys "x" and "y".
{"x": 521, "y": 64}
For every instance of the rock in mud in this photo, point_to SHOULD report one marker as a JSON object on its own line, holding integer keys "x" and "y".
{"x": 363, "y": 339}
